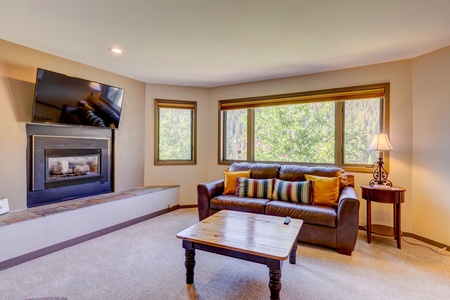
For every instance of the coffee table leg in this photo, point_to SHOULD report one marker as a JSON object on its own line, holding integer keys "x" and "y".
{"x": 293, "y": 255}
{"x": 275, "y": 278}
{"x": 189, "y": 262}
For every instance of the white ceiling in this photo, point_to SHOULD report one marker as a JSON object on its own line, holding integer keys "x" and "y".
{"x": 209, "y": 43}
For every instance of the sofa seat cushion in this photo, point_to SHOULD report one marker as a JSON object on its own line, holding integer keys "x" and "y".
{"x": 253, "y": 205}
{"x": 310, "y": 214}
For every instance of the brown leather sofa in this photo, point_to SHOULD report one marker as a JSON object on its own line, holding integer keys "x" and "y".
{"x": 334, "y": 227}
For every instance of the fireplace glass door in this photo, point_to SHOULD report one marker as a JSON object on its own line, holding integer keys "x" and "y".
{"x": 71, "y": 166}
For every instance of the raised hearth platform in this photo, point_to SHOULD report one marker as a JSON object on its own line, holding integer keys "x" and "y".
{"x": 49, "y": 209}
{"x": 37, "y": 231}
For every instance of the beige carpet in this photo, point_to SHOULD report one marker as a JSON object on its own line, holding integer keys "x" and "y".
{"x": 146, "y": 261}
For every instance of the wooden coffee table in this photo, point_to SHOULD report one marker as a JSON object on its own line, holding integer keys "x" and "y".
{"x": 254, "y": 237}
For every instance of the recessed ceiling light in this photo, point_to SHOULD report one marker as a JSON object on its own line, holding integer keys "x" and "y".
{"x": 115, "y": 50}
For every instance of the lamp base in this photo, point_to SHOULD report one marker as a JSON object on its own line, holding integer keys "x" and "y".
{"x": 380, "y": 175}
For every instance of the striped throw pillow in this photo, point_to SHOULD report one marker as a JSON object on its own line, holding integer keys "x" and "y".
{"x": 294, "y": 191}
{"x": 254, "y": 188}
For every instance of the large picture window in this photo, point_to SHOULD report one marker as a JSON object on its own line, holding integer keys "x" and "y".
{"x": 330, "y": 127}
{"x": 175, "y": 132}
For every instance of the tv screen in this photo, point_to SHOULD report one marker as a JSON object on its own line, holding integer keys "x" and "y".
{"x": 61, "y": 99}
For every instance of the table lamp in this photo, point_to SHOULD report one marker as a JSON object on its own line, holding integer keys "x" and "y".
{"x": 380, "y": 143}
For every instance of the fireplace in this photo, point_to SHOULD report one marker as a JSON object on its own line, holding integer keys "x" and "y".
{"x": 64, "y": 167}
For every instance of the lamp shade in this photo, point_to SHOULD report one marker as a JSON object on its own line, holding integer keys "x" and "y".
{"x": 380, "y": 142}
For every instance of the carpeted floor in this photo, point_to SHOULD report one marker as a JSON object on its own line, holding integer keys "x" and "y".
{"x": 146, "y": 261}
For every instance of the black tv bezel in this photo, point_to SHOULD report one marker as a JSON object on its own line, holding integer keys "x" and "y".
{"x": 33, "y": 113}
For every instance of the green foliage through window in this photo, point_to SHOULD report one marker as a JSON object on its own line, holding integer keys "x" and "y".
{"x": 175, "y": 141}
{"x": 175, "y": 134}
{"x": 236, "y": 131}
{"x": 300, "y": 133}
{"x": 324, "y": 127}
{"x": 362, "y": 121}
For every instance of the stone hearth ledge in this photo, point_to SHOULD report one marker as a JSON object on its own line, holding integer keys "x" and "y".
{"x": 50, "y": 209}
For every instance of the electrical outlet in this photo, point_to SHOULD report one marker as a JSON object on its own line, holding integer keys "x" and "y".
{"x": 4, "y": 206}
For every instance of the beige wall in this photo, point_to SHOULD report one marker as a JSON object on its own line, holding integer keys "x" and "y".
{"x": 431, "y": 147}
{"x": 397, "y": 73}
{"x": 419, "y": 122}
{"x": 187, "y": 176}
{"x": 17, "y": 77}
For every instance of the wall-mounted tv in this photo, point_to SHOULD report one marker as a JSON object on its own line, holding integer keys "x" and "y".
{"x": 61, "y": 99}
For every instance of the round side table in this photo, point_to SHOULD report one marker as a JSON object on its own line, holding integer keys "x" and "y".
{"x": 391, "y": 195}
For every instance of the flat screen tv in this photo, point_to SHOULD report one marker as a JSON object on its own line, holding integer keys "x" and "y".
{"x": 61, "y": 99}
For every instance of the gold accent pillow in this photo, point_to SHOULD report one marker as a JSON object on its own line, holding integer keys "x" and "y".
{"x": 230, "y": 180}
{"x": 325, "y": 190}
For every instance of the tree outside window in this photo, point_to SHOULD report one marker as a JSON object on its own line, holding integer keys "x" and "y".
{"x": 284, "y": 133}
{"x": 328, "y": 127}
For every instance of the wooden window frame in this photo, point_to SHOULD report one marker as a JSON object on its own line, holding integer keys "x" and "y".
{"x": 175, "y": 104}
{"x": 381, "y": 90}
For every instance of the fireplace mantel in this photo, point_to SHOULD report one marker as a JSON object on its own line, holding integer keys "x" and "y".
{"x": 65, "y": 163}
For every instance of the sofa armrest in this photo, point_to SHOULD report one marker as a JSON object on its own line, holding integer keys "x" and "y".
{"x": 205, "y": 192}
{"x": 347, "y": 221}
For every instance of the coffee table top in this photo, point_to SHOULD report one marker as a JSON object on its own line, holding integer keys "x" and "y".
{"x": 250, "y": 233}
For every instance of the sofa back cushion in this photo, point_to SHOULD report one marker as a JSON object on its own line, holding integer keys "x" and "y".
{"x": 297, "y": 173}
{"x": 259, "y": 170}
{"x": 290, "y": 172}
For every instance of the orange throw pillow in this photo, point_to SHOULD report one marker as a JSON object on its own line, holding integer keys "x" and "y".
{"x": 230, "y": 180}
{"x": 325, "y": 190}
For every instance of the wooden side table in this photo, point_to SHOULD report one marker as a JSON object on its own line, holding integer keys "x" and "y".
{"x": 393, "y": 195}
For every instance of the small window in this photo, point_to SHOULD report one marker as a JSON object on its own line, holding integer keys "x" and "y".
{"x": 175, "y": 132}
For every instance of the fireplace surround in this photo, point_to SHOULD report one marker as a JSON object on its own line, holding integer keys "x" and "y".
{"x": 65, "y": 163}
